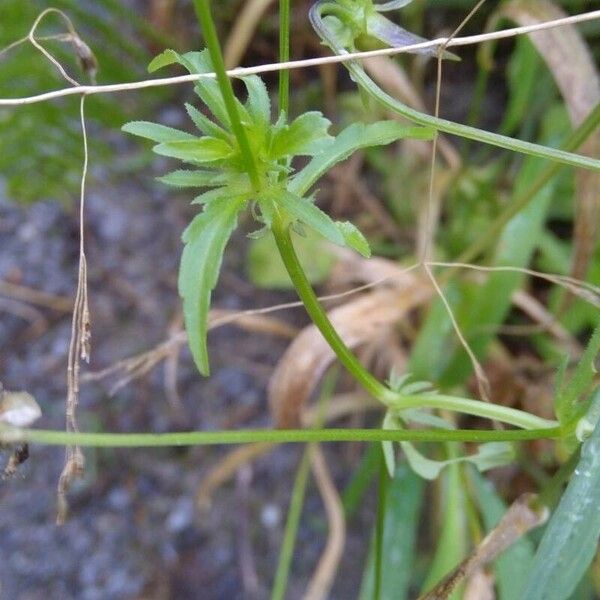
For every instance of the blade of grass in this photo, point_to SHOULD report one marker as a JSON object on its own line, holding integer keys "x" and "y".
{"x": 291, "y": 527}
{"x": 494, "y": 299}
{"x": 522, "y": 199}
{"x": 362, "y": 477}
{"x": 404, "y": 505}
{"x": 489, "y": 304}
{"x": 451, "y": 544}
{"x": 571, "y": 537}
{"x": 298, "y": 494}
{"x": 568, "y": 404}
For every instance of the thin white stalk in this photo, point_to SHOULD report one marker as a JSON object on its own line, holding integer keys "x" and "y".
{"x": 300, "y": 64}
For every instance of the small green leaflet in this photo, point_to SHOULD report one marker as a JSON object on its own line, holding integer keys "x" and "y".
{"x": 354, "y": 238}
{"x": 183, "y": 178}
{"x": 197, "y": 150}
{"x": 205, "y": 240}
{"x": 157, "y": 133}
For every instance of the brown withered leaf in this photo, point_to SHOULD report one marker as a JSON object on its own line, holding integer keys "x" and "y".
{"x": 572, "y": 65}
{"x": 308, "y": 357}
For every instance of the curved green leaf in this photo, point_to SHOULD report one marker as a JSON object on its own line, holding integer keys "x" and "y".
{"x": 164, "y": 59}
{"x": 205, "y": 240}
{"x": 404, "y": 502}
{"x": 352, "y": 138}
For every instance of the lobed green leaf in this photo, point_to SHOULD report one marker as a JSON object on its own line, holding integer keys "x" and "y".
{"x": 305, "y": 136}
{"x": 353, "y": 138}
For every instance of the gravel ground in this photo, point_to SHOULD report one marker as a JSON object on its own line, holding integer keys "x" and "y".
{"x": 134, "y": 529}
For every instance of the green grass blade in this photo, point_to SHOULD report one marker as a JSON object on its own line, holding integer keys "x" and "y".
{"x": 362, "y": 477}
{"x": 451, "y": 545}
{"x": 404, "y": 503}
{"x": 291, "y": 528}
{"x": 568, "y": 403}
{"x": 571, "y": 537}
{"x": 494, "y": 300}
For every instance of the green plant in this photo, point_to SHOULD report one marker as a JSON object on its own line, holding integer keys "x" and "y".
{"x": 245, "y": 160}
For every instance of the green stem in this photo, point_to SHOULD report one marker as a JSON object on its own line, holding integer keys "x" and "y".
{"x": 318, "y": 315}
{"x": 487, "y": 410}
{"x": 276, "y": 436}
{"x": 284, "y": 55}
{"x": 214, "y": 49}
{"x": 502, "y": 141}
{"x": 371, "y": 384}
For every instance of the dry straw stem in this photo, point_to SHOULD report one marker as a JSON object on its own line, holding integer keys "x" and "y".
{"x": 79, "y": 346}
{"x": 516, "y": 522}
{"x": 482, "y": 380}
{"x": 324, "y": 575}
{"x": 36, "y": 297}
{"x": 243, "y": 29}
{"x": 253, "y": 320}
{"x": 300, "y": 64}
